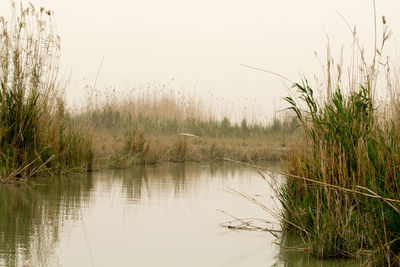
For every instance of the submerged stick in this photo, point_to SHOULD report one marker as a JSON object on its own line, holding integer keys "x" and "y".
{"x": 246, "y": 224}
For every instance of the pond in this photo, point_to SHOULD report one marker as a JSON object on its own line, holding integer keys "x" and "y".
{"x": 160, "y": 215}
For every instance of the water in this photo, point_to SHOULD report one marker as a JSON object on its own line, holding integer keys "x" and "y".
{"x": 162, "y": 215}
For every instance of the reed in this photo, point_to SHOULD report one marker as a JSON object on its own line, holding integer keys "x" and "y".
{"x": 162, "y": 112}
{"x": 347, "y": 202}
{"x": 35, "y": 130}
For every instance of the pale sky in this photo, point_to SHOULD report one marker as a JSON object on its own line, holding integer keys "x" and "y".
{"x": 201, "y": 44}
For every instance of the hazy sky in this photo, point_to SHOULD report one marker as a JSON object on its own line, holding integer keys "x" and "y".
{"x": 201, "y": 44}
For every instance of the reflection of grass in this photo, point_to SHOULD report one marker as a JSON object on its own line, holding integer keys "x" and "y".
{"x": 138, "y": 182}
{"x": 30, "y": 216}
{"x": 35, "y": 219}
{"x": 351, "y": 149}
{"x": 292, "y": 255}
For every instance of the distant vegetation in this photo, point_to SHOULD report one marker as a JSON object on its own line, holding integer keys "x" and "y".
{"x": 343, "y": 192}
{"x": 145, "y": 129}
{"x": 166, "y": 114}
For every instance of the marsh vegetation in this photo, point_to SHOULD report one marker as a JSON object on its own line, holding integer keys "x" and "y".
{"x": 36, "y": 134}
{"x": 341, "y": 195}
{"x": 342, "y": 191}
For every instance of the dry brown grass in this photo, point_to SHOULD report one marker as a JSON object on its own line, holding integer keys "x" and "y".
{"x": 113, "y": 151}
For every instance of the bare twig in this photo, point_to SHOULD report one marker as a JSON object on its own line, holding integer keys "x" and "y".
{"x": 270, "y": 72}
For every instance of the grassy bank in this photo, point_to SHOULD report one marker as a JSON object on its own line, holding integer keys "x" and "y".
{"x": 342, "y": 195}
{"x": 147, "y": 129}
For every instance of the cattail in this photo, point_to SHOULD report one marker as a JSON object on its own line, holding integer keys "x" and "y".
{"x": 383, "y": 20}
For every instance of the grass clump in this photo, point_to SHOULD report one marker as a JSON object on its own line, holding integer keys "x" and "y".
{"x": 35, "y": 130}
{"x": 342, "y": 192}
{"x": 136, "y": 147}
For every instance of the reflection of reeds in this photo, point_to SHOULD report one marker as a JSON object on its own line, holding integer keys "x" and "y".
{"x": 33, "y": 218}
{"x": 342, "y": 194}
{"x": 28, "y": 211}
{"x": 35, "y": 133}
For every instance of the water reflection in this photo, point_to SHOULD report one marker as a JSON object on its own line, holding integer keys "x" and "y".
{"x": 290, "y": 256}
{"x": 30, "y": 216}
{"x": 161, "y": 215}
{"x": 136, "y": 180}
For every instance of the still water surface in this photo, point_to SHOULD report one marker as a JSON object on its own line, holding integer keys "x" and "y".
{"x": 162, "y": 215}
